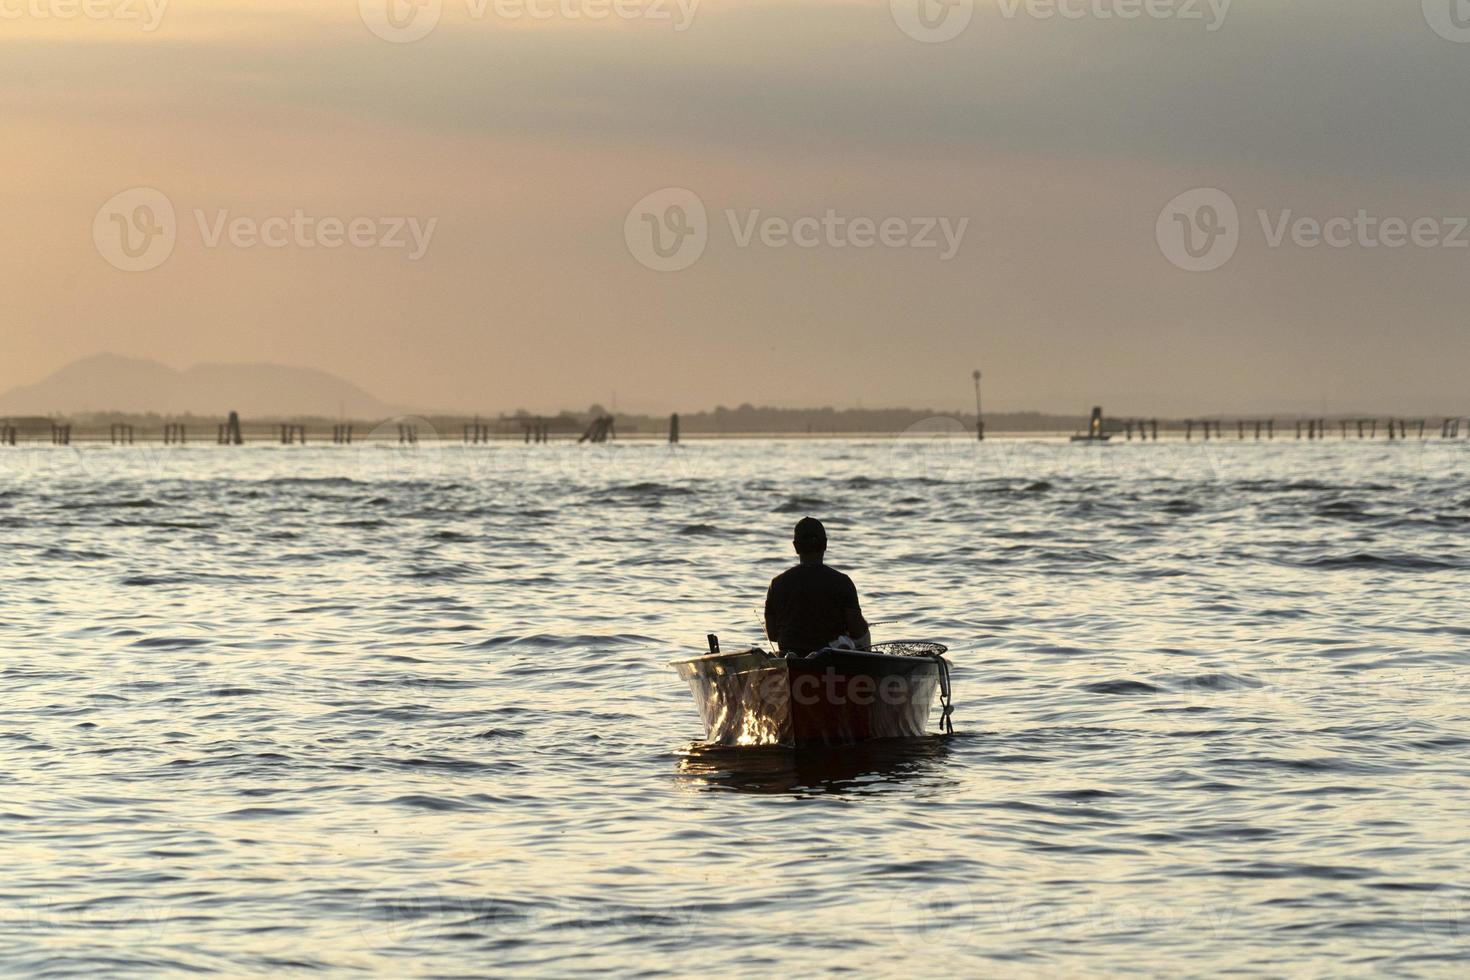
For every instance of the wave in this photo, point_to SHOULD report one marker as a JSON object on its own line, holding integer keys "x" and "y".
{"x": 798, "y": 505}
{"x": 1121, "y": 687}
{"x": 1371, "y": 560}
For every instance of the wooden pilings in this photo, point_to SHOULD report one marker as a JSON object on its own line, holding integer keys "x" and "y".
{"x": 600, "y": 430}
{"x": 1210, "y": 427}
{"x": 1146, "y": 428}
{"x": 61, "y": 432}
{"x": 229, "y": 431}
{"x": 1315, "y": 428}
{"x": 1256, "y": 428}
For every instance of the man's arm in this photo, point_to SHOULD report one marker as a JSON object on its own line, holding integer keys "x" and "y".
{"x": 773, "y": 628}
{"x": 857, "y": 626}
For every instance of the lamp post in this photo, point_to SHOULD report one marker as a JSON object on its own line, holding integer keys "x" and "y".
{"x": 979, "y": 420}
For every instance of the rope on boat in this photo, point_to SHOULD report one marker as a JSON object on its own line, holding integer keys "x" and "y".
{"x": 927, "y": 651}
{"x": 945, "y": 717}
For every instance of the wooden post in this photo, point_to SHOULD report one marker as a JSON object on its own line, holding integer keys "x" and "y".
{"x": 1188, "y": 429}
{"x": 233, "y": 436}
{"x": 674, "y": 428}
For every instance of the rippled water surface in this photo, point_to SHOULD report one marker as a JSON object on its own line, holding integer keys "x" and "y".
{"x": 366, "y": 710}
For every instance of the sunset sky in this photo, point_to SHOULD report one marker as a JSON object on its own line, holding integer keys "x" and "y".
{"x": 525, "y": 143}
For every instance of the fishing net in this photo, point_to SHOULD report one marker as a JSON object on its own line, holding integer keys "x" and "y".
{"x": 910, "y": 648}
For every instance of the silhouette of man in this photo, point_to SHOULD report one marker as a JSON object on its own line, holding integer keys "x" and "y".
{"x": 810, "y": 605}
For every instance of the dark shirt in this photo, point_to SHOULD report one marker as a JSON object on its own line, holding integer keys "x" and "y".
{"x": 811, "y": 605}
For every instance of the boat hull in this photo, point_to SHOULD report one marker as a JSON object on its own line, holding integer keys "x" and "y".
{"x": 832, "y": 698}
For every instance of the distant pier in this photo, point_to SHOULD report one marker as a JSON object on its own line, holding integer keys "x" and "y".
{"x": 232, "y": 430}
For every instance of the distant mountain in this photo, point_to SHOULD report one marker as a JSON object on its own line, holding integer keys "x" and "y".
{"x": 109, "y": 383}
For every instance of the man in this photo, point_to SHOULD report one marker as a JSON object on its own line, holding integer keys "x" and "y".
{"x": 810, "y": 606}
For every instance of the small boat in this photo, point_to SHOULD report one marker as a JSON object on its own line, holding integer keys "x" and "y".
{"x": 831, "y": 697}
{"x": 1095, "y": 432}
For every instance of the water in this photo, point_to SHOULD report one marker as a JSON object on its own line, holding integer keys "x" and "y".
{"x": 363, "y": 710}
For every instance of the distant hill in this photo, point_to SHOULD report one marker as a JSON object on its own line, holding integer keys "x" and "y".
{"x": 109, "y": 383}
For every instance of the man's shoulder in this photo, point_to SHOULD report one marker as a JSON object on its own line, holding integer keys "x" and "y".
{"x": 812, "y": 571}
{"x": 834, "y": 579}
